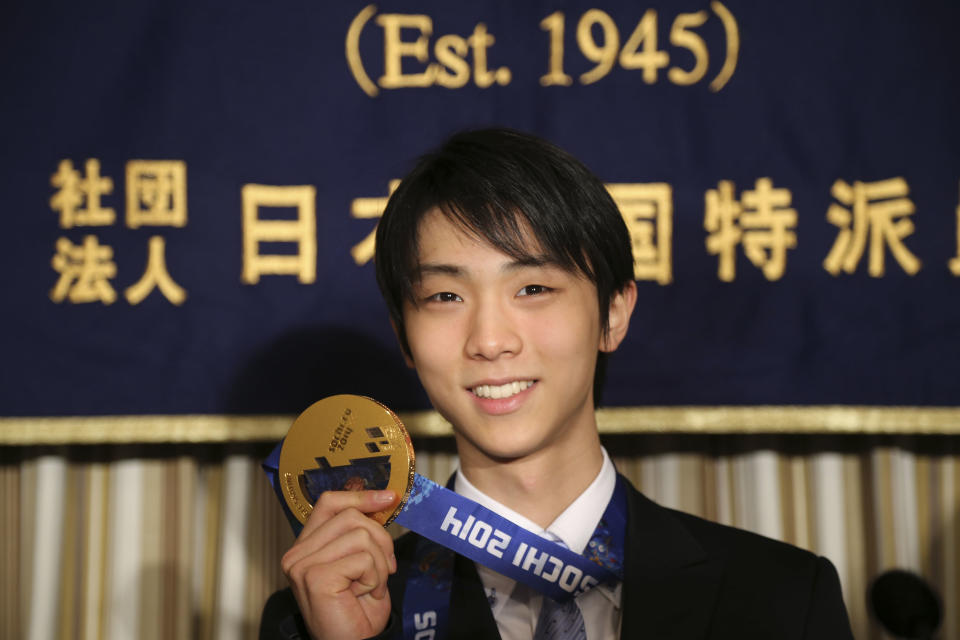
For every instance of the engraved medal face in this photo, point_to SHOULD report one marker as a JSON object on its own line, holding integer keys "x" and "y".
{"x": 345, "y": 443}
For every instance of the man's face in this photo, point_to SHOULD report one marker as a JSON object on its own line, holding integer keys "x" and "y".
{"x": 506, "y": 350}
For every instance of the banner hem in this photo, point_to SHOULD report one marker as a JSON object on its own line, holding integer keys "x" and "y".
{"x": 781, "y": 419}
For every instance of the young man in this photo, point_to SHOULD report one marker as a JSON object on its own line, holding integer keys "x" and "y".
{"x": 508, "y": 274}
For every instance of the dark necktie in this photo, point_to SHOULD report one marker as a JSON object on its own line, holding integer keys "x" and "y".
{"x": 559, "y": 621}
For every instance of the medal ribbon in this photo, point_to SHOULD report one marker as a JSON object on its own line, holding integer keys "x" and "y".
{"x": 472, "y": 530}
{"x": 426, "y": 599}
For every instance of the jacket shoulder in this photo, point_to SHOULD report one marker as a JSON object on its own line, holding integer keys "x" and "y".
{"x": 760, "y": 586}
{"x": 740, "y": 544}
{"x": 743, "y": 548}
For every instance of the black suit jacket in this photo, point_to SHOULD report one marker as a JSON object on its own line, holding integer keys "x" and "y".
{"x": 684, "y": 578}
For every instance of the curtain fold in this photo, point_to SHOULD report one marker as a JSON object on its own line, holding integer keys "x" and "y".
{"x": 179, "y": 541}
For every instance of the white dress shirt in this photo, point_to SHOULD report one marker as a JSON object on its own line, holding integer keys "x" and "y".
{"x": 516, "y": 606}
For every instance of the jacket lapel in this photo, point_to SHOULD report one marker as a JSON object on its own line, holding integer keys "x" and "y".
{"x": 670, "y": 583}
{"x": 669, "y": 588}
{"x": 470, "y": 615}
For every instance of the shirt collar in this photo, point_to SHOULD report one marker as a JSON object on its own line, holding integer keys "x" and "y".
{"x": 575, "y": 525}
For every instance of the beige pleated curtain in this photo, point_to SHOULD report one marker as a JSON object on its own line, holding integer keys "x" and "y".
{"x": 183, "y": 541}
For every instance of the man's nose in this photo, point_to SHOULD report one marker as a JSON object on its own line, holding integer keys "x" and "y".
{"x": 493, "y": 332}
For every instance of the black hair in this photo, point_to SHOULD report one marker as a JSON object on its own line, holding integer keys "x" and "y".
{"x": 501, "y": 185}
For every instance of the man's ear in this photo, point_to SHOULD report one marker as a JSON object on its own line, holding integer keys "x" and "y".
{"x": 621, "y": 308}
{"x": 403, "y": 349}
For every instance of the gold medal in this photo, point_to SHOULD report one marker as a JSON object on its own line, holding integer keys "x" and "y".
{"x": 345, "y": 443}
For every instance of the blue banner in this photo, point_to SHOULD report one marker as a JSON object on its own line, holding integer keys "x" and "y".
{"x": 190, "y": 192}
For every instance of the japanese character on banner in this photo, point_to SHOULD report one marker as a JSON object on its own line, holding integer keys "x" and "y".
{"x": 369, "y": 208}
{"x": 647, "y": 210}
{"x": 85, "y": 271}
{"x": 762, "y": 221}
{"x": 156, "y": 196}
{"x": 78, "y": 197}
{"x": 156, "y": 193}
{"x": 156, "y": 276}
{"x": 874, "y": 213}
{"x": 301, "y": 232}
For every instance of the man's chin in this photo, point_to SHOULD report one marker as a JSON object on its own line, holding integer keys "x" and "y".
{"x": 494, "y": 450}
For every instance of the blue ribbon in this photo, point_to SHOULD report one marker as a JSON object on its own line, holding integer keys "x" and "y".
{"x": 474, "y": 531}
{"x": 426, "y": 592}
{"x": 271, "y": 466}
{"x": 471, "y": 530}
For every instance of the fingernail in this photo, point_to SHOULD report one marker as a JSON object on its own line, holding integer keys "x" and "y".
{"x": 383, "y": 497}
{"x": 393, "y": 563}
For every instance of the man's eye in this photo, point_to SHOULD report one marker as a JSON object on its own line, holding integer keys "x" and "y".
{"x": 533, "y": 290}
{"x": 444, "y": 296}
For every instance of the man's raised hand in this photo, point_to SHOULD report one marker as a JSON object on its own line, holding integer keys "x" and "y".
{"x": 338, "y": 566}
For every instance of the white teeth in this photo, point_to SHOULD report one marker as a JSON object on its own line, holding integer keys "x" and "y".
{"x": 502, "y": 390}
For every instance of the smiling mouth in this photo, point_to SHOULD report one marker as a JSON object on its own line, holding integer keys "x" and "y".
{"x": 499, "y": 391}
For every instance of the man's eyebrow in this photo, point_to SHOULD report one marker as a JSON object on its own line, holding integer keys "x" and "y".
{"x": 436, "y": 268}
{"x": 541, "y": 260}
{"x": 439, "y": 268}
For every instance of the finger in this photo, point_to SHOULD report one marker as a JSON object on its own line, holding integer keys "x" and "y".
{"x": 331, "y": 503}
{"x": 357, "y": 541}
{"x": 326, "y": 599}
{"x": 341, "y": 525}
{"x": 355, "y": 573}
